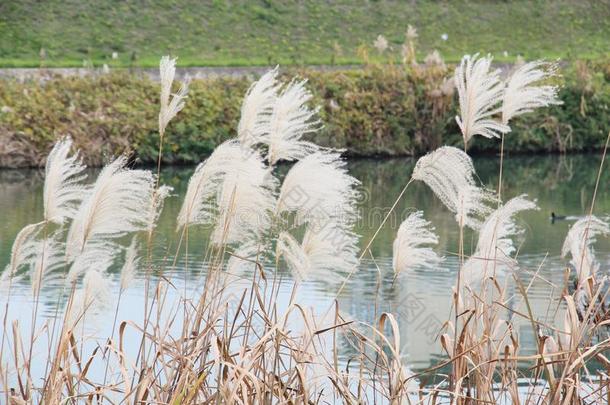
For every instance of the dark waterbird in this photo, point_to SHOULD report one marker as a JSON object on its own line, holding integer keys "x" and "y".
{"x": 555, "y": 217}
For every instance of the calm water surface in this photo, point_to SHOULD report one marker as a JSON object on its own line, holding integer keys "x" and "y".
{"x": 421, "y": 299}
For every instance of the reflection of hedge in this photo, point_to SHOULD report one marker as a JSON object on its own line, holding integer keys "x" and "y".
{"x": 377, "y": 110}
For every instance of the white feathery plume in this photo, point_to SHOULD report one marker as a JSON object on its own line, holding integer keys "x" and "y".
{"x": 63, "y": 190}
{"x": 473, "y": 202}
{"x": 113, "y": 207}
{"x": 319, "y": 189}
{"x": 290, "y": 120}
{"x": 198, "y": 205}
{"x": 411, "y": 247}
{"x": 294, "y": 254}
{"x": 245, "y": 199}
{"x": 97, "y": 256}
{"x": 256, "y": 109}
{"x": 480, "y": 92}
{"x": 92, "y": 297}
{"x": 449, "y": 172}
{"x": 131, "y": 264}
{"x": 324, "y": 253}
{"x": 411, "y": 33}
{"x": 156, "y": 206}
{"x": 495, "y": 245}
{"x": 169, "y": 108}
{"x": 523, "y": 94}
{"x": 233, "y": 189}
{"x": 434, "y": 58}
{"x": 167, "y": 72}
{"x": 50, "y": 257}
{"x": 381, "y": 43}
{"x": 579, "y": 244}
{"x": 495, "y": 234}
{"x": 23, "y": 252}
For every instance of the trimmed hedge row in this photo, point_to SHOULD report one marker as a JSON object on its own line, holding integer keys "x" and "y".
{"x": 379, "y": 110}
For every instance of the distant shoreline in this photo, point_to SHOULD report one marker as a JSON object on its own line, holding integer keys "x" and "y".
{"x": 203, "y": 72}
{"x": 376, "y": 111}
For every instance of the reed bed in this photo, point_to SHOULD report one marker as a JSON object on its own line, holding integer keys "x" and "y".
{"x": 233, "y": 340}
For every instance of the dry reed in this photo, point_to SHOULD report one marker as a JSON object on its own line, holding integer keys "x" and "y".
{"x": 234, "y": 341}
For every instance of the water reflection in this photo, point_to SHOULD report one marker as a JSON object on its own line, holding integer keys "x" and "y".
{"x": 421, "y": 299}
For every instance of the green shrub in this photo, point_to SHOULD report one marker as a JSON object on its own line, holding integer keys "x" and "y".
{"x": 378, "y": 110}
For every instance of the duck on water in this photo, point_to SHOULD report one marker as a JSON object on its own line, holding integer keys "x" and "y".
{"x": 555, "y": 217}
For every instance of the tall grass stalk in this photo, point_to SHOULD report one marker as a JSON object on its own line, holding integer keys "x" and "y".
{"x": 234, "y": 343}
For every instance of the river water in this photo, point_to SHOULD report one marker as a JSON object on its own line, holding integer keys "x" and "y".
{"x": 421, "y": 300}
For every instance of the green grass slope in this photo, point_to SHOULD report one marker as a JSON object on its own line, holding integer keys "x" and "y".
{"x": 250, "y": 32}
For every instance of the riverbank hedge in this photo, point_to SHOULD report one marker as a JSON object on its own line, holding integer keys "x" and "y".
{"x": 379, "y": 110}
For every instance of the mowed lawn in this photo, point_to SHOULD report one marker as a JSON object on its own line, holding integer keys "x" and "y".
{"x": 256, "y": 32}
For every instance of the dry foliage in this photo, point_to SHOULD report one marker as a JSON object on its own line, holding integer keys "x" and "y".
{"x": 234, "y": 342}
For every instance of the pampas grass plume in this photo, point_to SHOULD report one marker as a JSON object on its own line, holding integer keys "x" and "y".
{"x": 63, "y": 190}
{"x": 524, "y": 93}
{"x": 290, "y": 121}
{"x": 480, "y": 92}
{"x": 170, "y": 107}
{"x": 411, "y": 248}
{"x": 449, "y": 172}
{"x": 579, "y": 244}
{"x": 256, "y": 109}
{"x": 113, "y": 207}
